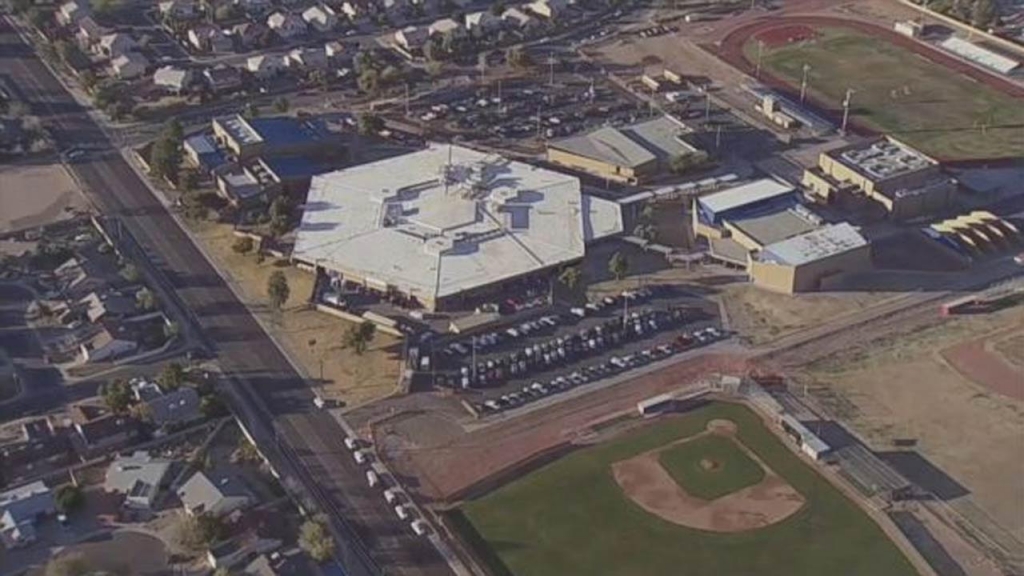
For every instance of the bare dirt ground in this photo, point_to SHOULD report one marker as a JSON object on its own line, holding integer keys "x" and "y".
{"x": 348, "y": 378}
{"x": 439, "y": 461}
{"x": 32, "y": 195}
{"x": 761, "y": 316}
{"x": 650, "y": 486}
{"x": 901, "y": 388}
{"x": 976, "y": 361}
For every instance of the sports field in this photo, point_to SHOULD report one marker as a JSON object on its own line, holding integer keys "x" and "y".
{"x": 573, "y": 516}
{"x": 710, "y": 467}
{"x": 896, "y": 91}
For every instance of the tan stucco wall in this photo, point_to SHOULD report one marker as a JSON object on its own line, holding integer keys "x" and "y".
{"x": 807, "y": 278}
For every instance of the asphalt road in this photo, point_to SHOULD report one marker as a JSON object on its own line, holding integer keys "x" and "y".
{"x": 312, "y": 438}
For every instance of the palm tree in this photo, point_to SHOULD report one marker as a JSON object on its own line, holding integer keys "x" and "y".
{"x": 618, "y": 265}
{"x": 359, "y": 337}
{"x": 570, "y": 277}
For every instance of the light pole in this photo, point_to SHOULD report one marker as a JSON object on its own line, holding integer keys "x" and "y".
{"x": 846, "y": 109}
{"x": 760, "y": 53}
{"x": 551, "y": 70}
{"x": 803, "y": 83}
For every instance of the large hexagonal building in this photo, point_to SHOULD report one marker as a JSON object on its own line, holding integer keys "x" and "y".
{"x": 446, "y": 222}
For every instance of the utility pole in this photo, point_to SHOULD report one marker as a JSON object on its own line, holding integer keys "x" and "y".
{"x": 707, "y": 106}
{"x": 406, "y": 99}
{"x": 551, "y": 70}
{"x": 803, "y": 83}
{"x": 846, "y": 109}
{"x": 760, "y": 53}
{"x": 718, "y": 136}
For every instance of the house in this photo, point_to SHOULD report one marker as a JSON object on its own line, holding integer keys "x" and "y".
{"x": 138, "y": 477}
{"x": 481, "y": 23}
{"x": 178, "y": 9}
{"x": 78, "y": 276}
{"x": 208, "y": 38}
{"x": 202, "y": 152}
{"x": 109, "y": 306}
{"x": 255, "y": 7}
{"x": 550, "y": 9}
{"x": 239, "y": 186}
{"x": 20, "y": 509}
{"x": 145, "y": 390}
{"x": 241, "y": 549}
{"x": 334, "y": 49}
{"x": 516, "y": 19}
{"x": 251, "y": 34}
{"x": 99, "y": 429}
{"x": 175, "y": 408}
{"x": 129, "y": 65}
{"x": 88, "y": 32}
{"x": 106, "y": 344}
{"x": 116, "y": 44}
{"x": 218, "y": 493}
{"x": 71, "y": 12}
{"x": 222, "y": 78}
{"x": 32, "y": 445}
{"x": 286, "y": 24}
{"x": 265, "y": 66}
{"x": 412, "y": 38}
{"x": 321, "y": 18}
{"x": 356, "y": 12}
{"x": 308, "y": 59}
{"x": 173, "y": 79}
{"x": 445, "y": 26}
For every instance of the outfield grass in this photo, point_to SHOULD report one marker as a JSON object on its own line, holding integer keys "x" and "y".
{"x": 571, "y": 517}
{"x": 732, "y": 471}
{"x": 942, "y": 114}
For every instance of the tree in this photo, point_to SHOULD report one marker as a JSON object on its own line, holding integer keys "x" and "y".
{"x": 142, "y": 412}
{"x": 20, "y": 6}
{"x": 242, "y": 245}
{"x": 359, "y": 337}
{"x": 189, "y": 179}
{"x": 225, "y": 11}
{"x": 647, "y": 214}
{"x": 279, "y": 225}
{"x": 646, "y": 232}
{"x": 280, "y": 207}
{"x": 432, "y": 50}
{"x": 68, "y": 565}
{"x": 570, "y": 277}
{"x": 164, "y": 160}
{"x": 171, "y": 330}
{"x": 117, "y": 395}
{"x": 316, "y": 540}
{"x": 40, "y": 18}
{"x": 618, "y": 265}
{"x": 517, "y": 57}
{"x": 68, "y": 498}
{"x": 210, "y": 406}
{"x": 390, "y": 75}
{"x": 130, "y": 273}
{"x": 687, "y": 162}
{"x": 370, "y": 124}
{"x": 106, "y": 6}
{"x": 497, "y": 9}
{"x": 199, "y": 532}
{"x": 277, "y": 289}
{"x": 145, "y": 299}
{"x": 984, "y": 13}
{"x": 368, "y": 81}
{"x": 362, "y": 61}
{"x": 251, "y": 110}
{"x": 281, "y": 105}
{"x": 172, "y": 376}
{"x": 245, "y": 452}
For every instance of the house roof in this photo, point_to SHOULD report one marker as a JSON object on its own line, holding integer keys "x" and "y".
{"x": 178, "y": 406}
{"x": 205, "y": 492}
{"x": 608, "y": 145}
{"x": 138, "y": 475}
{"x": 97, "y": 422}
{"x": 20, "y": 506}
{"x": 97, "y": 306}
{"x": 171, "y": 76}
{"x": 443, "y": 26}
{"x": 127, "y": 59}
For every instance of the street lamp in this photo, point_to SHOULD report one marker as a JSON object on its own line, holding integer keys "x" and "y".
{"x": 846, "y": 109}
{"x": 803, "y": 83}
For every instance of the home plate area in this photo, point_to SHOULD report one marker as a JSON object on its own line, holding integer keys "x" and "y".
{"x": 709, "y": 482}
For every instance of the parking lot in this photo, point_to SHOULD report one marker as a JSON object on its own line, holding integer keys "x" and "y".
{"x": 568, "y": 347}
{"x": 524, "y": 109}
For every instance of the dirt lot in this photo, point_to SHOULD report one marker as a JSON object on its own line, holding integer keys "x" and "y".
{"x": 348, "y": 378}
{"x": 34, "y": 195}
{"x": 902, "y": 388}
{"x": 761, "y": 316}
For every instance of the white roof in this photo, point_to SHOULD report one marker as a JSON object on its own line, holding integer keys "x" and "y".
{"x": 744, "y": 194}
{"x": 815, "y": 245}
{"x": 602, "y": 218}
{"x": 170, "y": 76}
{"x": 980, "y": 55}
{"x": 443, "y": 26}
{"x": 434, "y": 228}
{"x": 139, "y": 468}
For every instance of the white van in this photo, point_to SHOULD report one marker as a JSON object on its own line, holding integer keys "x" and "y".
{"x": 402, "y": 511}
{"x": 372, "y": 479}
{"x": 351, "y": 443}
{"x": 420, "y": 527}
{"x": 360, "y": 456}
{"x": 391, "y": 495}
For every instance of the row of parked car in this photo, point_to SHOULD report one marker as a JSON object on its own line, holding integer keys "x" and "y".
{"x": 612, "y": 366}
{"x": 393, "y": 495}
{"x": 562, "y": 350}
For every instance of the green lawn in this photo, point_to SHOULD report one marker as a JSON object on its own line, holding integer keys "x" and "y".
{"x": 571, "y": 518}
{"x": 898, "y": 92}
{"x": 710, "y": 467}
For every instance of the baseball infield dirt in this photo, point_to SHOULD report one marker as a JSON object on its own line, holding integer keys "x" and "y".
{"x": 978, "y": 363}
{"x": 644, "y": 480}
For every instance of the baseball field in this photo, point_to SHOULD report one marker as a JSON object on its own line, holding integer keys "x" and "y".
{"x": 709, "y": 491}
{"x": 899, "y": 90}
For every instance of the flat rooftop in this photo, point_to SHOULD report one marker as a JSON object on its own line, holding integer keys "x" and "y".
{"x": 882, "y": 159}
{"x": 239, "y": 129}
{"x": 661, "y": 136}
{"x": 980, "y": 55}
{"x": 441, "y": 221}
{"x": 822, "y": 243}
{"x": 776, "y": 226}
{"x": 744, "y": 194}
{"x": 275, "y": 131}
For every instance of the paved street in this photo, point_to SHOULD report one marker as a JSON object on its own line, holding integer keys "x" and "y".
{"x": 244, "y": 350}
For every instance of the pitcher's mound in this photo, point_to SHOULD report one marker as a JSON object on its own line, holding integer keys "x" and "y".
{"x": 644, "y": 480}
